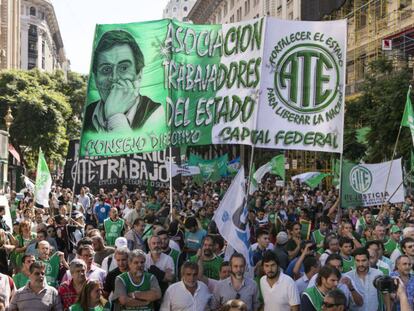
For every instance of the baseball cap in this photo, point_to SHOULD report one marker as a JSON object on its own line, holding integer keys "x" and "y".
{"x": 121, "y": 242}
{"x": 282, "y": 238}
{"x": 395, "y": 229}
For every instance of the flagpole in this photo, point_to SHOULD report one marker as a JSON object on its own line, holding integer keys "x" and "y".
{"x": 341, "y": 158}
{"x": 171, "y": 185}
{"x": 74, "y": 182}
{"x": 250, "y": 172}
{"x": 404, "y": 179}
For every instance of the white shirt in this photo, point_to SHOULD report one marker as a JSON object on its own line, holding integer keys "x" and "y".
{"x": 178, "y": 298}
{"x": 165, "y": 262}
{"x": 113, "y": 265}
{"x": 281, "y": 296}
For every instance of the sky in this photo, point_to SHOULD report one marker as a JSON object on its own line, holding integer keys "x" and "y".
{"x": 77, "y": 20}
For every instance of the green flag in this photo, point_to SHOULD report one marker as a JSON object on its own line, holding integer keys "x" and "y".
{"x": 278, "y": 166}
{"x": 315, "y": 180}
{"x": 336, "y": 171}
{"x": 408, "y": 116}
{"x": 43, "y": 181}
{"x": 221, "y": 162}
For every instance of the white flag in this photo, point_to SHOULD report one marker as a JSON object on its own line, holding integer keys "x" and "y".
{"x": 305, "y": 176}
{"x": 257, "y": 177}
{"x": 183, "y": 169}
{"x": 231, "y": 216}
{"x": 43, "y": 181}
{"x": 29, "y": 185}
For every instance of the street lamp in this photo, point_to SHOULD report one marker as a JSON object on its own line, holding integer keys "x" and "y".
{"x": 8, "y": 118}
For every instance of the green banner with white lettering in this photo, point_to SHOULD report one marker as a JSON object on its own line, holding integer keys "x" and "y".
{"x": 265, "y": 82}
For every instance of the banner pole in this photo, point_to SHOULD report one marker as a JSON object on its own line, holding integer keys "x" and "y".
{"x": 340, "y": 177}
{"x": 171, "y": 184}
{"x": 392, "y": 159}
{"x": 250, "y": 172}
{"x": 74, "y": 182}
{"x": 401, "y": 183}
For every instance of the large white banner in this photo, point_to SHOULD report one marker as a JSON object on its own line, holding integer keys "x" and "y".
{"x": 365, "y": 184}
{"x": 303, "y": 85}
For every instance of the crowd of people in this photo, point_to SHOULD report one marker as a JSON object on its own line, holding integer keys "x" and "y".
{"x": 124, "y": 250}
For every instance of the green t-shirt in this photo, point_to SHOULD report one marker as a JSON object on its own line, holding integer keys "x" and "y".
{"x": 205, "y": 223}
{"x": 52, "y": 270}
{"x": 113, "y": 230}
{"x": 20, "y": 280}
{"x": 131, "y": 287}
{"x": 211, "y": 268}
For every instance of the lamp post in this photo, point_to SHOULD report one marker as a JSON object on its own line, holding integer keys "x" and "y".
{"x": 8, "y": 118}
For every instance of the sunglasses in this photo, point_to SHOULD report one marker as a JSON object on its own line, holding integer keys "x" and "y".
{"x": 330, "y": 305}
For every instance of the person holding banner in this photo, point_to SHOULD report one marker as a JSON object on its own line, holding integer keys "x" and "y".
{"x": 117, "y": 69}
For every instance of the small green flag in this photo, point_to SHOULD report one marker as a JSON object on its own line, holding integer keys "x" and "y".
{"x": 314, "y": 181}
{"x": 278, "y": 166}
{"x": 408, "y": 116}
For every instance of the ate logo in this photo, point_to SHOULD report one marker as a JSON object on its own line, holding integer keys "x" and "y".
{"x": 307, "y": 78}
{"x": 360, "y": 179}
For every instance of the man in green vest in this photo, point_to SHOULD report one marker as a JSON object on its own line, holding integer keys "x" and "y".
{"x": 391, "y": 244}
{"x": 211, "y": 262}
{"x": 114, "y": 227}
{"x": 313, "y": 297}
{"x": 318, "y": 236}
{"x": 176, "y": 255}
{"x": 136, "y": 290}
{"x": 346, "y": 246}
{"x": 51, "y": 262}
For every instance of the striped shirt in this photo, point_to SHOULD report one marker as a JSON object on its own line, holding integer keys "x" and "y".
{"x": 45, "y": 300}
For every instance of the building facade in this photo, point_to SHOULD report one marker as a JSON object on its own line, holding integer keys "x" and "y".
{"x": 380, "y": 28}
{"x": 41, "y": 41}
{"x": 178, "y": 9}
{"x": 9, "y": 34}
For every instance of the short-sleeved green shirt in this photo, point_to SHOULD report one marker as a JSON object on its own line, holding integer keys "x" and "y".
{"x": 20, "y": 280}
{"x": 211, "y": 268}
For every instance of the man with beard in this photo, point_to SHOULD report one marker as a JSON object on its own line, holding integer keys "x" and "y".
{"x": 136, "y": 289}
{"x": 189, "y": 294}
{"x": 211, "y": 262}
{"x": 159, "y": 264}
{"x": 177, "y": 256}
{"x": 236, "y": 286}
{"x": 363, "y": 277}
{"x": 279, "y": 291}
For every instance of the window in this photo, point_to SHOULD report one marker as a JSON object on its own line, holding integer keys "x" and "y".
{"x": 290, "y": 16}
{"x": 239, "y": 14}
{"x": 185, "y": 9}
{"x": 246, "y": 7}
{"x": 232, "y": 19}
{"x": 174, "y": 9}
{"x": 225, "y": 9}
{"x": 32, "y": 11}
{"x": 231, "y": 4}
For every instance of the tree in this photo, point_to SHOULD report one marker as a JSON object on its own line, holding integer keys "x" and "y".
{"x": 380, "y": 107}
{"x": 41, "y": 106}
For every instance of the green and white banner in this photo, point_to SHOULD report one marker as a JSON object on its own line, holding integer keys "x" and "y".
{"x": 265, "y": 82}
{"x": 43, "y": 181}
{"x": 364, "y": 184}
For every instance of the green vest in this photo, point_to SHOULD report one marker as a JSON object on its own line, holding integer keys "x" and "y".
{"x": 20, "y": 280}
{"x": 315, "y": 296}
{"x": 113, "y": 230}
{"x": 348, "y": 264}
{"x": 175, "y": 255}
{"x": 318, "y": 237}
{"x": 52, "y": 270}
{"x": 130, "y": 287}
